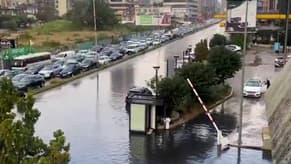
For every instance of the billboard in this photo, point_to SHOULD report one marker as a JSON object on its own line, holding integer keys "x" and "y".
{"x": 236, "y": 12}
{"x": 153, "y": 20}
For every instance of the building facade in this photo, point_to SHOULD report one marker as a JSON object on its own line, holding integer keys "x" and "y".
{"x": 124, "y": 9}
{"x": 14, "y": 3}
{"x": 208, "y": 8}
{"x": 183, "y": 10}
{"x": 61, "y": 6}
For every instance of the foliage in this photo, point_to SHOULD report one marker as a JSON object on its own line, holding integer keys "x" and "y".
{"x": 200, "y": 74}
{"x": 207, "y": 77}
{"x": 238, "y": 39}
{"x": 56, "y": 26}
{"x": 201, "y": 50}
{"x": 9, "y": 24}
{"x": 46, "y": 13}
{"x": 14, "y": 22}
{"x": 81, "y": 13}
{"x": 18, "y": 144}
{"x": 217, "y": 40}
{"x": 225, "y": 63}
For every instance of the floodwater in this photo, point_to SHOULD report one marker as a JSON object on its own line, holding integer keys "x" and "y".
{"x": 91, "y": 113}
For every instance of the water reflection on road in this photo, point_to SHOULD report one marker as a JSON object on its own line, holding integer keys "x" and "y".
{"x": 91, "y": 113}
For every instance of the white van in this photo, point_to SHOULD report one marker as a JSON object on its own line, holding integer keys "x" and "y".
{"x": 63, "y": 55}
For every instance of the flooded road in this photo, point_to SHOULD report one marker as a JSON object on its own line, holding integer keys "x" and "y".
{"x": 91, "y": 113}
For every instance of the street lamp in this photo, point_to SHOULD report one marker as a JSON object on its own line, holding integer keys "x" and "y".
{"x": 243, "y": 78}
{"x": 176, "y": 61}
{"x": 95, "y": 23}
{"x": 157, "y": 78}
{"x": 286, "y": 30}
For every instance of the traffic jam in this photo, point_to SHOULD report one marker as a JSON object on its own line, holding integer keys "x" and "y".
{"x": 35, "y": 70}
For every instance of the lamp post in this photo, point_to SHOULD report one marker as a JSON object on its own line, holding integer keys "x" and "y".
{"x": 176, "y": 61}
{"x": 95, "y": 25}
{"x": 157, "y": 77}
{"x": 286, "y": 30}
{"x": 243, "y": 78}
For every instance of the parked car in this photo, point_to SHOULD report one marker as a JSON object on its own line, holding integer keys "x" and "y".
{"x": 59, "y": 62}
{"x": 115, "y": 56}
{"x": 51, "y": 70}
{"x": 232, "y": 47}
{"x": 78, "y": 58}
{"x": 132, "y": 48}
{"x": 279, "y": 61}
{"x": 34, "y": 69}
{"x": 88, "y": 64}
{"x": 29, "y": 81}
{"x": 253, "y": 88}
{"x": 8, "y": 74}
{"x": 97, "y": 48}
{"x": 136, "y": 91}
{"x": 156, "y": 42}
{"x": 103, "y": 59}
{"x": 70, "y": 70}
{"x": 63, "y": 55}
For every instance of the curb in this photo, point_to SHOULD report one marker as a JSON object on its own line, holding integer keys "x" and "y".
{"x": 195, "y": 113}
{"x": 128, "y": 57}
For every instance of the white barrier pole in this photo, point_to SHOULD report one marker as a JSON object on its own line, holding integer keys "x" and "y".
{"x": 219, "y": 133}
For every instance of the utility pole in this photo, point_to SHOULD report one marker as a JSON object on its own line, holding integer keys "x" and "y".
{"x": 286, "y": 29}
{"x": 95, "y": 22}
{"x": 243, "y": 76}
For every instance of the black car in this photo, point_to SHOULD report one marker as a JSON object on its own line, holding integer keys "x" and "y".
{"x": 137, "y": 91}
{"x": 97, "y": 48}
{"x": 29, "y": 81}
{"x": 8, "y": 74}
{"x": 88, "y": 64}
{"x": 78, "y": 58}
{"x": 115, "y": 56}
{"x": 279, "y": 61}
{"x": 34, "y": 69}
{"x": 70, "y": 70}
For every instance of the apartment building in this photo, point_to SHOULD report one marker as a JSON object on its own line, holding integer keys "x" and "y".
{"x": 61, "y": 6}
{"x": 14, "y": 3}
{"x": 208, "y": 8}
{"x": 124, "y": 9}
{"x": 183, "y": 10}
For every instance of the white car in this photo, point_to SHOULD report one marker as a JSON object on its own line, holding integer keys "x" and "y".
{"x": 103, "y": 59}
{"x": 50, "y": 71}
{"x": 156, "y": 42}
{"x": 253, "y": 88}
{"x": 63, "y": 55}
{"x": 233, "y": 47}
{"x": 133, "y": 48}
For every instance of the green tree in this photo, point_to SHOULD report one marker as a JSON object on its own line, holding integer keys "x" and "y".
{"x": 225, "y": 63}
{"x": 18, "y": 144}
{"x": 201, "y": 50}
{"x": 172, "y": 90}
{"x": 217, "y": 40}
{"x": 82, "y": 13}
{"x": 46, "y": 12}
{"x": 237, "y": 39}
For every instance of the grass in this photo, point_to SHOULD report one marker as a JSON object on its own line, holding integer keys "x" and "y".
{"x": 60, "y": 34}
{"x": 56, "y": 26}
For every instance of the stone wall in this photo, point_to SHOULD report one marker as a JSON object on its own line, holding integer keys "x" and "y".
{"x": 278, "y": 106}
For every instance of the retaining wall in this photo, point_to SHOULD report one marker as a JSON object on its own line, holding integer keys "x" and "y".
{"x": 278, "y": 106}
